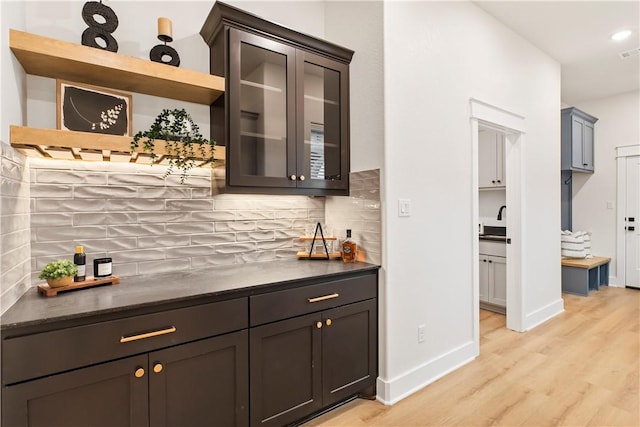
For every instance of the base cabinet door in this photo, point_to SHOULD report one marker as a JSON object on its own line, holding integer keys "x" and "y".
{"x": 349, "y": 350}
{"x": 204, "y": 383}
{"x": 285, "y": 371}
{"x": 498, "y": 280}
{"x": 484, "y": 278}
{"x": 109, "y": 394}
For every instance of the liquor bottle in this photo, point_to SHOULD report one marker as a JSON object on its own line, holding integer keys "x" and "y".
{"x": 349, "y": 249}
{"x": 80, "y": 260}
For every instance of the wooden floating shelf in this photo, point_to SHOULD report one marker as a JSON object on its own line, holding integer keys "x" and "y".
{"x": 69, "y": 145}
{"x": 43, "y": 56}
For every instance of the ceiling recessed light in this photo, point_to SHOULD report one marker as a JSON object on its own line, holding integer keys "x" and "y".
{"x": 621, "y": 35}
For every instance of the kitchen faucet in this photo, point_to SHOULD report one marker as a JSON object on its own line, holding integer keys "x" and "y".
{"x": 500, "y": 212}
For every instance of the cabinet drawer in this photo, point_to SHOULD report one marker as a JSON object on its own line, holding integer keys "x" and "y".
{"x": 488, "y": 247}
{"x": 279, "y": 305}
{"x": 36, "y": 355}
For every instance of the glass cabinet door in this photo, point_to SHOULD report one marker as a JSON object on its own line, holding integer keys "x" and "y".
{"x": 323, "y": 122}
{"x": 261, "y": 112}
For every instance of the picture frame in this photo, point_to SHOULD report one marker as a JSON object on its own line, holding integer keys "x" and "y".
{"x": 87, "y": 108}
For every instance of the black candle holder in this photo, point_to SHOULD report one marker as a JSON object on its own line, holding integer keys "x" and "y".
{"x": 161, "y": 51}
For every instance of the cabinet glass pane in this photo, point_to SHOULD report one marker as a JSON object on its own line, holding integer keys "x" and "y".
{"x": 321, "y": 122}
{"x": 263, "y": 116}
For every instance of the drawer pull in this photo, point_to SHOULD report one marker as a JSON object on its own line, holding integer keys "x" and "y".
{"x": 147, "y": 335}
{"x": 323, "y": 298}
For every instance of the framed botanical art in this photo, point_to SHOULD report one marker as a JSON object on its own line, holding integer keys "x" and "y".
{"x": 86, "y": 108}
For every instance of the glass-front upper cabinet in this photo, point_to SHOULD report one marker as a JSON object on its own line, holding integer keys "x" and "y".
{"x": 323, "y": 122}
{"x": 261, "y": 101}
{"x": 284, "y": 118}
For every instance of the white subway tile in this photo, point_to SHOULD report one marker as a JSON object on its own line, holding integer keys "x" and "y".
{"x": 163, "y": 241}
{"x": 136, "y": 204}
{"x": 137, "y": 179}
{"x": 63, "y": 233}
{"x": 164, "y": 193}
{"x": 51, "y": 219}
{"x": 233, "y": 248}
{"x": 208, "y": 261}
{"x": 212, "y": 238}
{"x": 47, "y": 176}
{"x": 104, "y": 218}
{"x": 104, "y": 192}
{"x": 254, "y": 236}
{"x": 235, "y": 226}
{"x": 190, "y": 205}
{"x": 135, "y": 230}
{"x": 274, "y": 225}
{"x": 11, "y": 223}
{"x": 254, "y": 215}
{"x": 162, "y": 217}
{"x": 75, "y": 205}
{"x": 164, "y": 266}
{"x": 15, "y": 205}
{"x": 138, "y": 255}
{"x": 190, "y": 251}
{"x": 190, "y": 228}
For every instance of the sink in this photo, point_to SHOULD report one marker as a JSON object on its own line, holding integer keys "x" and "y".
{"x": 490, "y": 230}
{"x": 494, "y": 233}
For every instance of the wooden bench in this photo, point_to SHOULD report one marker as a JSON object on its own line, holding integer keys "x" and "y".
{"x": 581, "y": 275}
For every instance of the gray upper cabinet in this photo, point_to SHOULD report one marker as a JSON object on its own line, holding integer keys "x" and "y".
{"x": 577, "y": 140}
{"x": 284, "y": 118}
{"x": 491, "y": 159}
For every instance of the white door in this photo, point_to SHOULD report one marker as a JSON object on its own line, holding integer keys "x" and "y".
{"x": 632, "y": 223}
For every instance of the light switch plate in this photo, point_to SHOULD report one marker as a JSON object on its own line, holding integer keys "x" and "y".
{"x": 404, "y": 207}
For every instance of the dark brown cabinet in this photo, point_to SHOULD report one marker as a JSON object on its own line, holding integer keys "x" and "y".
{"x": 196, "y": 384}
{"x": 284, "y": 118}
{"x": 269, "y": 356}
{"x": 303, "y": 364}
{"x": 105, "y": 395}
{"x": 183, "y": 376}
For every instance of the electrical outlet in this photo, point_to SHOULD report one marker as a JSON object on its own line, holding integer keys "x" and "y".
{"x": 421, "y": 333}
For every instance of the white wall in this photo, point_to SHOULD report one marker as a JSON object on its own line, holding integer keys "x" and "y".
{"x": 12, "y": 77}
{"x": 618, "y": 125}
{"x": 438, "y": 55}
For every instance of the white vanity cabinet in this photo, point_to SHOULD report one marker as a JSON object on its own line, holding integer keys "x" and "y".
{"x": 493, "y": 275}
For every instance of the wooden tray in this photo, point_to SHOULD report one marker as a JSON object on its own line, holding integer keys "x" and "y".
{"x": 305, "y": 255}
{"x": 48, "y": 291}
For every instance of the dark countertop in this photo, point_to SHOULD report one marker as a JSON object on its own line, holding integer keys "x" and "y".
{"x": 164, "y": 288}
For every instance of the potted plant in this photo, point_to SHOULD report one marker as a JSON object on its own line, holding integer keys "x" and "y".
{"x": 59, "y": 273}
{"x": 183, "y": 141}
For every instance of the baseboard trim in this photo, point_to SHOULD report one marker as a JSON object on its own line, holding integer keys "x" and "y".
{"x": 396, "y": 389}
{"x": 543, "y": 314}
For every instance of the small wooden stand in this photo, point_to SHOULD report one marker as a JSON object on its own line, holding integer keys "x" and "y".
{"x": 48, "y": 291}
{"x": 310, "y": 255}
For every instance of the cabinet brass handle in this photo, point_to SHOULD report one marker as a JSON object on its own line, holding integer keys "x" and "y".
{"x": 328, "y": 322}
{"x": 139, "y": 373}
{"x": 323, "y": 298}
{"x": 302, "y": 178}
{"x": 319, "y": 325}
{"x": 293, "y": 177}
{"x": 157, "y": 368}
{"x": 124, "y": 339}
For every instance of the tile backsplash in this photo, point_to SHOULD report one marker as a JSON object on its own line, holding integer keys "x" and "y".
{"x": 15, "y": 257}
{"x": 148, "y": 223}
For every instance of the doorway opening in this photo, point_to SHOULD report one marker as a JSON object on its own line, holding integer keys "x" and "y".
{"x": 508, "y": 128}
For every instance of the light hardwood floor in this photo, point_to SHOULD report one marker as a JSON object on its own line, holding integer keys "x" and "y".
{"x": 581, "y": 368}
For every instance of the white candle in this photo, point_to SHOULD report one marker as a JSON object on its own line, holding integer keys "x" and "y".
{"x": 165, "y": 30}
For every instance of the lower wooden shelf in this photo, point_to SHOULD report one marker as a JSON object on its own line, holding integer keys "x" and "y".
{"x": 71, "y": 145}
{"x": 305, "y": 255}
